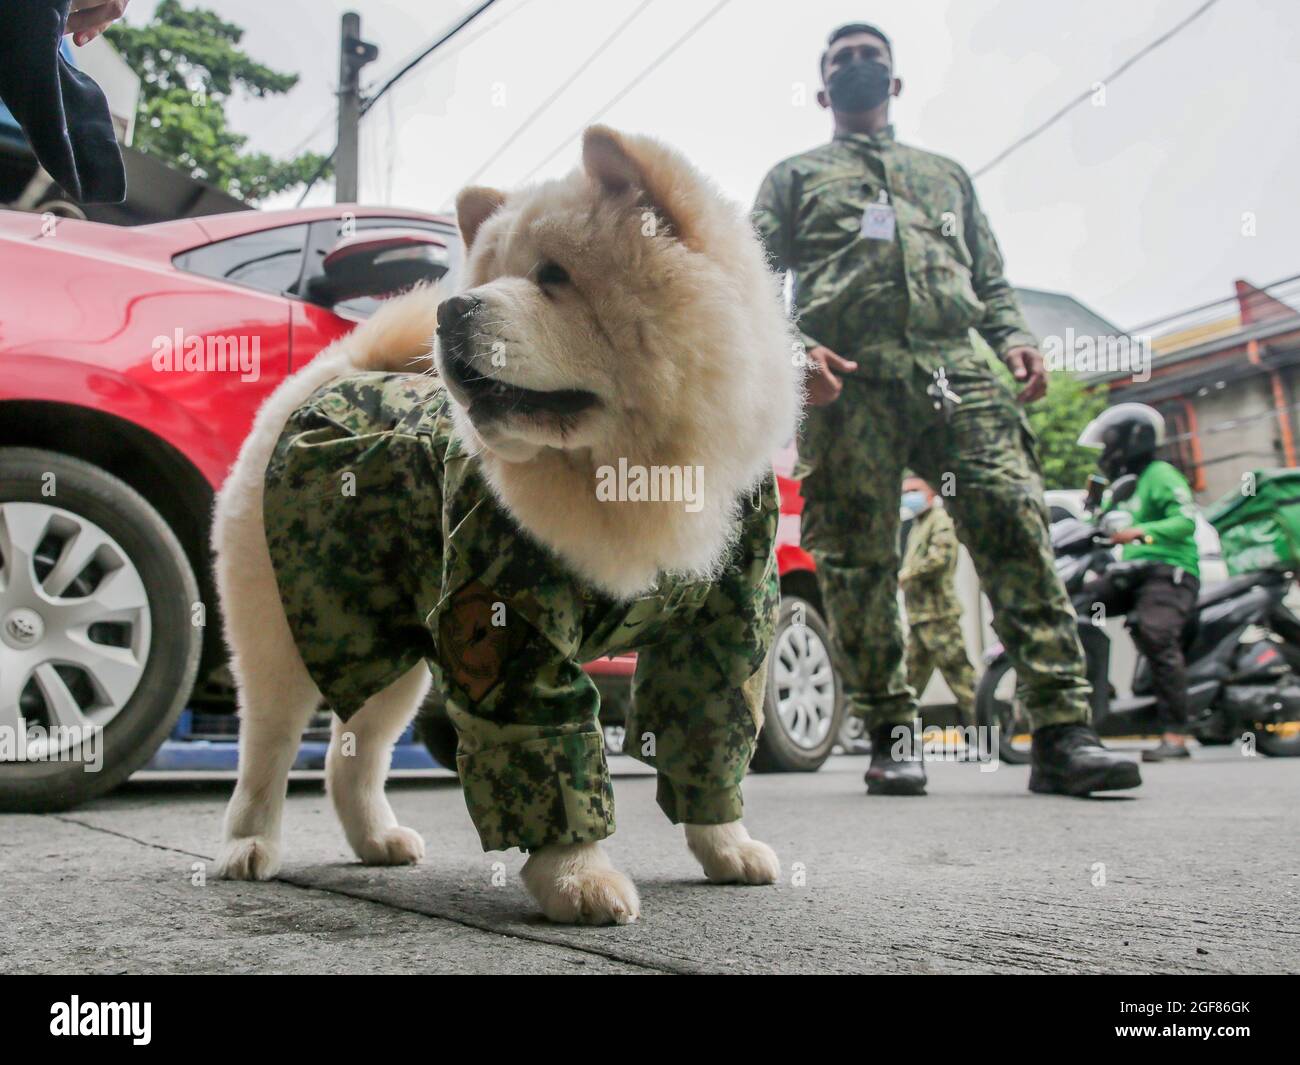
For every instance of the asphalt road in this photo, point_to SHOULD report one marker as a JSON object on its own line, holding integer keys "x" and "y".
{"x": 1199, "y": 873}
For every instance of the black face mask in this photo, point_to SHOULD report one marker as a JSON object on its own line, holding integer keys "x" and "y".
{"x": 862, "y": 85}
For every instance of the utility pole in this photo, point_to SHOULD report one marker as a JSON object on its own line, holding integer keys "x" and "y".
{"x": 354, "y": 53}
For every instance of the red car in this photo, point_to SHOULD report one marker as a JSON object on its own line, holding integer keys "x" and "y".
{"x": 132, "y": 362}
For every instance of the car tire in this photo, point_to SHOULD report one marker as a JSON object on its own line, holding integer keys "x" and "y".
{"x": 804, "y": 703}
{"x": 74, "y": 498}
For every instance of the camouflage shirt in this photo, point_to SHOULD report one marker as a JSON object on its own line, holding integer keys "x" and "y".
{"x": 389, "y": 548}
{"x": 929, "y": 566}
{"x": 888, "y": 304}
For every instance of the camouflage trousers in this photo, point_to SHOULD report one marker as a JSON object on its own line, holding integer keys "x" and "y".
{"x": 939, "y": 644}
{"x": 982, "y": 459}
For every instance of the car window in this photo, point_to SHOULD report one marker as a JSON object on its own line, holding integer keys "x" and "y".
{"x": 270, "y": 260}
{"x": 328, "y": 232}
{"x": 1058, "y": 513}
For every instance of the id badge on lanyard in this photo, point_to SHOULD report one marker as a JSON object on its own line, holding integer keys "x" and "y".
{"x": 878, "y": 219}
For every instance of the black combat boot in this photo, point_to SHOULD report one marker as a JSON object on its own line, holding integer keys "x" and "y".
{"x": 1070, "y": 760}
{"x": 889, "y": 776}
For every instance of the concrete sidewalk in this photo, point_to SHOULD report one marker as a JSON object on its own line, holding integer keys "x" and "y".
{"x": 1199, "y": 873}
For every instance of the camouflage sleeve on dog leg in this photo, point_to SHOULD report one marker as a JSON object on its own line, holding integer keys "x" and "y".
{"x": 697, "y": 696}
{"x": 531, "y": 754}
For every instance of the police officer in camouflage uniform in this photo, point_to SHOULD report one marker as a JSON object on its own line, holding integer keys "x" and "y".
{"x": 389, "y": 548}
{"x": 934, "y": 636}
{"x": 893, "y": 265}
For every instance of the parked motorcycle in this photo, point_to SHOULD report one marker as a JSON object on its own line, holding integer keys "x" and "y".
{"x": 1242, "y": 646}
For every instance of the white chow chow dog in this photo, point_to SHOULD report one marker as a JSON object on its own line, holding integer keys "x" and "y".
{"x": 625, "y": 312}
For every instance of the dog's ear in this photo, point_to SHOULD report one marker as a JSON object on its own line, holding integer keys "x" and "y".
{"x": 474, "y": 206}
{"x": 660, "y": 179}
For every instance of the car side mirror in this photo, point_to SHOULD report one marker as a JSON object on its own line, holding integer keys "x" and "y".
{"x": 379, "y": 262}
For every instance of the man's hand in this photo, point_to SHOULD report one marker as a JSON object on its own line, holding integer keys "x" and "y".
{"x": 1128, "y": 536}
{"x": 823, "y": 386}
{"x": 90, "y": 18}
{"x": 1026, "y": 366}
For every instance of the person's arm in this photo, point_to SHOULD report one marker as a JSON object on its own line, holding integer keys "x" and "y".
{"x": 941, "y": 542}
{"x": 774, "y": 222}
{"x": 1003, "y": 326}
{"x": 1172, "y": 497}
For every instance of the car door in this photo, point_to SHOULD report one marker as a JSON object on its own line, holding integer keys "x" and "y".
{"x": 244, "y": 317}
{"x": 312, "y": 326}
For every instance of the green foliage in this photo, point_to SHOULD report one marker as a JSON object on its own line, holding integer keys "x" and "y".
{"x": 189, "y": 63}
{"x": 1057, "y": 420}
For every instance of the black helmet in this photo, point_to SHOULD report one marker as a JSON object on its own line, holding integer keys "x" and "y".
{"x": 1127, "y": 435}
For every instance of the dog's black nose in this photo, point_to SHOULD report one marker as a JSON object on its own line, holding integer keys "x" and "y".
{"x": 453, "y": 312}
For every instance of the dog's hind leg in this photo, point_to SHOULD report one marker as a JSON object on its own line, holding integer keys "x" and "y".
{"x": 275, "y": 703}
{"x": 357, "y": 765}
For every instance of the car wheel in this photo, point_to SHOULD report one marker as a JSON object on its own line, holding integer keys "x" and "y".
{"x": 98, "y": 646}
{"x": 803, "y": 705}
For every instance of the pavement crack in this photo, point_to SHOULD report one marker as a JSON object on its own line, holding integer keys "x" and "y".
{"x": 479, "y": 926}
{"x": 126, "y": 836}
{"x": 483, "y": 926}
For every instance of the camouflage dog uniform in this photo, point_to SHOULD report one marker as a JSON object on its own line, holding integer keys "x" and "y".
{"x": 934, "y": 636}
{"x": 390, "y": 548}
{"x": 903, "y": 308}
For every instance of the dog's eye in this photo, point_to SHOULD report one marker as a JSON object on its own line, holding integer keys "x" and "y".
{"x": 552, "y": 274}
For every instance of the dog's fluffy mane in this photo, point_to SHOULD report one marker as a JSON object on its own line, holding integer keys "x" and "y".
{"x": 709, "y": 296}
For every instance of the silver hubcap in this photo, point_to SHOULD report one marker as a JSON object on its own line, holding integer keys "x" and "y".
{"x": 805, "y": 685}
{"x": 74, "y": 625}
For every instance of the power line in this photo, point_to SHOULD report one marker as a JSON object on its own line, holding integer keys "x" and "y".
{"x": 424, "y": 54}
{"x": 369, "y": 102}
{"x": 1261, "y": 292}
{"x": 581, "y": 69}
{"x": 327, "y": 120}
{"x": 630, "y": 85}
{"x": 1087, "y": 94}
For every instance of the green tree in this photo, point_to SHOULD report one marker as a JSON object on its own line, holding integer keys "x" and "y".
{"x": 189, "y": 63}
{"x": 1057, "y": 420}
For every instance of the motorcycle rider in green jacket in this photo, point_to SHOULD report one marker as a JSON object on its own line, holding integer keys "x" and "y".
{"x": 1159, "y": 596}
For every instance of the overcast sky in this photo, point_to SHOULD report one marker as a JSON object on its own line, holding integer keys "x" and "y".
{"x": 1134, "y": 207}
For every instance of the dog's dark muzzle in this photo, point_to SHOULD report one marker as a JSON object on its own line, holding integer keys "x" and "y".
{"x": 489, "y": 397}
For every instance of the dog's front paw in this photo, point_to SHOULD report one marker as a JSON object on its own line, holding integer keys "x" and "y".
{"x": 395, "y": 846}
{"x": 251, "y": 858}
{"x": 729, "y": 856}
{"x": 575, "y": 884}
